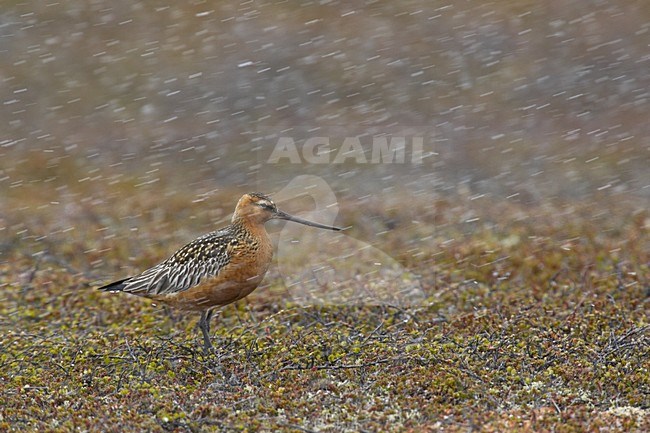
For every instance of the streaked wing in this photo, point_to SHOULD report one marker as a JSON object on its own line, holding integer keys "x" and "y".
{"x": 201, "y": 258}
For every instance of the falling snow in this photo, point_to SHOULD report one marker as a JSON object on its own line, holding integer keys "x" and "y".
{"x": 129, "y": 128}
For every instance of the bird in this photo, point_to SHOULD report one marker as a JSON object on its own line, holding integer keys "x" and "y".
{"x": 216, "y": 269}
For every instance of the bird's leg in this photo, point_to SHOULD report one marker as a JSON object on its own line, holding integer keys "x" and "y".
{"x": 204, "y": 324}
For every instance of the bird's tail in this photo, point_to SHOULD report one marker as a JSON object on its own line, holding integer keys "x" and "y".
{"x": 115, "y": 286}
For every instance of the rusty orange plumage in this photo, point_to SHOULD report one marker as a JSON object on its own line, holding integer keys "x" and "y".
{"x": 216, "y": 269}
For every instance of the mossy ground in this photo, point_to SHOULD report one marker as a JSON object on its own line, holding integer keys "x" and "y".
{"x": 535, "y": 319}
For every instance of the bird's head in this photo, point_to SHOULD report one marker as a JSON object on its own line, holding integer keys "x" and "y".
{"x": 259, "y": 208}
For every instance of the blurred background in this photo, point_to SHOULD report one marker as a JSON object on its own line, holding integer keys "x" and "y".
{"x": 119, "y": 113}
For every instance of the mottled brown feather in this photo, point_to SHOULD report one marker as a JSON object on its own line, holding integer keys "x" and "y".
{"x": 249, "y": 260}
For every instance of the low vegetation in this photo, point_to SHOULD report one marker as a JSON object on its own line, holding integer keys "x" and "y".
{"x": 532, "y": 318}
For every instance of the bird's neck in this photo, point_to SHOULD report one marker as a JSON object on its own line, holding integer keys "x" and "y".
{"x": 250, "y": 225}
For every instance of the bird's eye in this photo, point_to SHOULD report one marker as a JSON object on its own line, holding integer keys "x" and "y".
{"x": 265, "y": 205}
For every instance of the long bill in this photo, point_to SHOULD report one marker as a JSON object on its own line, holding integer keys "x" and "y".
{"x": 285, "y": 216}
